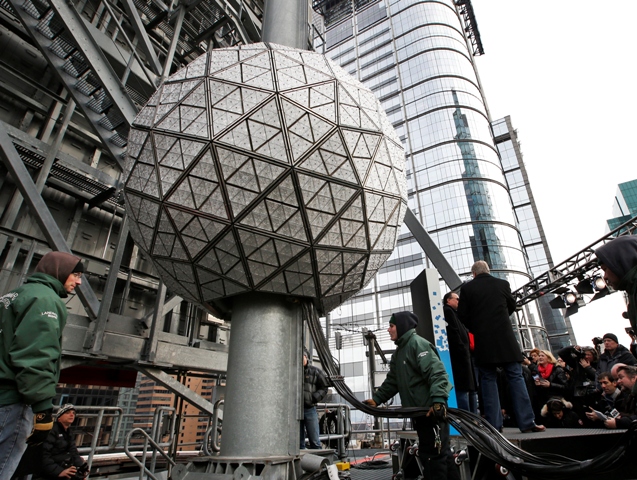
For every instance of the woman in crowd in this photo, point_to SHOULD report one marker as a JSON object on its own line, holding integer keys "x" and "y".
{"x": 550, "y": 380}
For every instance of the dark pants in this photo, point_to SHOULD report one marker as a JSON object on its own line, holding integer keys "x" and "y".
{"x": 434, "y": 463}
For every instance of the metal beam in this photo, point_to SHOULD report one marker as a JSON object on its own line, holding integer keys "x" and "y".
{"x": 178, "y": 388}
{"x": 168, "y": 306}
{"x": 156, "y": 326}
{"x": 181, "y": 13}
{"x": 432, "y": 251}
{"x": 246, "y": 20}
{"x": 572, "y": 268}
{"x": 143, "y": 39}
{"x": 41, "y": 213}
{"x": 95, "y": 334}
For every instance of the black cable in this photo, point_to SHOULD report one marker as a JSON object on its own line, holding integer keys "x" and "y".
{"x": 372, "y": 465}
{"x": 479, "y": 433}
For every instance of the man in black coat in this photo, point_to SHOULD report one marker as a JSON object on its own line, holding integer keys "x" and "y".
{"x": 458, "y": 338}
{"x": 485, "y": 306}
{"x": 614, "y": 353}
{"x": 315, "y": 385}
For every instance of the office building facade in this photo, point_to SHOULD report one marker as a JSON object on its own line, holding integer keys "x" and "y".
{"x": 417, "y": 59}
{"x": 558, "y": 328}
{"x": 624, "y": 204}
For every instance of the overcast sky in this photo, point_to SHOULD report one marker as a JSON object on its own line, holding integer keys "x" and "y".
{"x": 565, "y": 73}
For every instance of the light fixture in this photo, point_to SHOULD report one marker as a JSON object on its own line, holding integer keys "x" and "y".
{"x": 593, "y": 285}
{"x": 570, "y": 298}
{"x": 566, "y": 298}
{"x": 598, "y": 283}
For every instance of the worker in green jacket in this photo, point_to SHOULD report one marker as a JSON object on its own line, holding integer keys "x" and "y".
{"x": 32, "y": 318}
{"x": 419, "y": 376}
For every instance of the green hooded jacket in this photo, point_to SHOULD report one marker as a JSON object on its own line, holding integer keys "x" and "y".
{"x": 32, "y": 318}
{"x": 416, "y": 372}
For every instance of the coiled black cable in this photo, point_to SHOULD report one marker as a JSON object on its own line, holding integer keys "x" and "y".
{"x": 480, "y": 434}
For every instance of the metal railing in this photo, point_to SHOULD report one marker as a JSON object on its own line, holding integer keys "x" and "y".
{"x": 156, "y": 449}
{"x": 158, "y": 440}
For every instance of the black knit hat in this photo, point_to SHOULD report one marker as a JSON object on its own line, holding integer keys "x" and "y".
{"x": 612, "y": 336}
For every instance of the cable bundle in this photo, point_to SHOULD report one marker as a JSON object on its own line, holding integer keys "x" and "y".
{"x": 480, "y": 434}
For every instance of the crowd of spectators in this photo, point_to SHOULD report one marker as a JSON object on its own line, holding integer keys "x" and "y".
{"x": 581, "y": 386}
{"x": 593, "y": 387}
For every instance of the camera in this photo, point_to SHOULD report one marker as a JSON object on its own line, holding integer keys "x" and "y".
{"x": 81, "y": 471}
{"x": 578, "y": 353}
{"x": 597, "y": 341}
{"x": 630, "y": 331}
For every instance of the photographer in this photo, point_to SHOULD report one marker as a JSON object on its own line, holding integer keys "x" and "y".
{"x": 60, "y": 458}
{"x": 582, "y": 362}
{"x": 633, "y": 340}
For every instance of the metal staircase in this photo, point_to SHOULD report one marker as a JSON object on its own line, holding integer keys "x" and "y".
{"x": 70, "y": 48}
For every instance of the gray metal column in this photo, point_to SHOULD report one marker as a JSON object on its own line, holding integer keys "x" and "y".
{"x": 286, "y": 22}
{"x": 264, "y": 378}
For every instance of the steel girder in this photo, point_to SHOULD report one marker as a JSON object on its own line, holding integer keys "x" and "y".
{"x": 144, "y": 41}
{"x": 178, "y": 388}
{"x": 432, "y": 251}
{"x": 570, "y": 269}
{"x": 41, "y": 213}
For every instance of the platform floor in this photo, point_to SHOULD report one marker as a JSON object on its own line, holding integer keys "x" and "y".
{"x": 579, "y": 444}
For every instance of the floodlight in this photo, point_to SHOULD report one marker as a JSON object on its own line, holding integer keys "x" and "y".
{"x": 598, "y": 283}
{"x": 570, "y": 298}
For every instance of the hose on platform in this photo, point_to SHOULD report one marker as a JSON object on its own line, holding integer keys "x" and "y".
{"x": 479, "y": 433}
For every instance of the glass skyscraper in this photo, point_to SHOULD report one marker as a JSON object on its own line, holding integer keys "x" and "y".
{"x": 416, "y": 57}
{"x": 559, "y": 328}
{"x": 625, "y": 204}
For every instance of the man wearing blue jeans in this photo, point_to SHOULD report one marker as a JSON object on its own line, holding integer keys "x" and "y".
{"x": 485, "y": 306}
{"x": 314, "y": 390}
{"x": 32, "y": 318}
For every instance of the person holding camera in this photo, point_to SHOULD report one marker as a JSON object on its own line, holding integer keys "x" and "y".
{"x": 614, "y": 353}
{"x": 633, "y": 340}
{"x": 582, "y": 362}
{"x": 60, "y": 458}
{"x": 551, "y": 379}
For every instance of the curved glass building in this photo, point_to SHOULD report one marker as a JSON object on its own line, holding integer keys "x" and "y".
{"x": 417, "y": 59}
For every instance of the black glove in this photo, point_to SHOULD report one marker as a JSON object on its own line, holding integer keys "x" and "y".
{"x": 42, "y": 425}
{"x": 438, "y": 411}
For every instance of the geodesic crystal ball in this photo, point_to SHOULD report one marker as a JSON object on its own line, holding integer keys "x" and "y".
{"x": 265, "y": 168}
